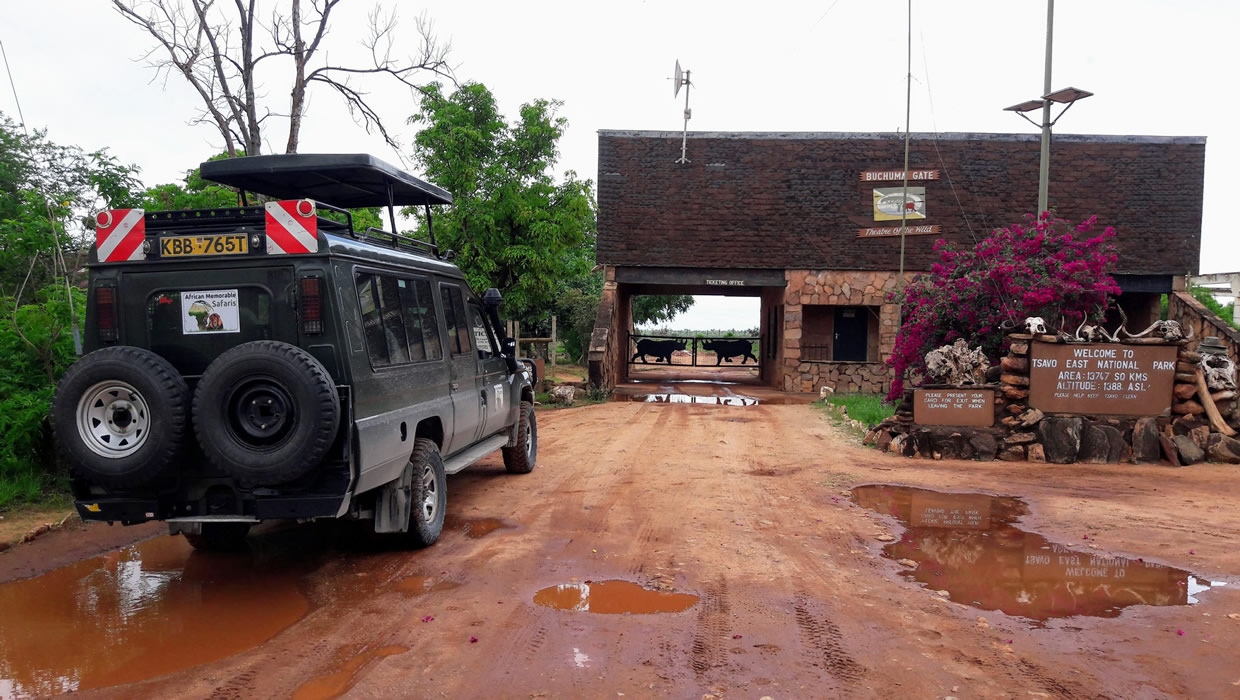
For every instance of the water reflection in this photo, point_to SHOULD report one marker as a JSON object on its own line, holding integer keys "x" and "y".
{"x": 139, "y": 612}
{"x": 968, "y": 545}
{"x": 612, "y": 598}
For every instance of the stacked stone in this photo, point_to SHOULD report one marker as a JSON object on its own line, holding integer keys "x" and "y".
{"x": 1022, "y": 433}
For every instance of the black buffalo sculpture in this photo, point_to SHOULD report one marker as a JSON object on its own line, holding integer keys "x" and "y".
{"x": 661, "y": 350}
{"x": 727, "y": 349}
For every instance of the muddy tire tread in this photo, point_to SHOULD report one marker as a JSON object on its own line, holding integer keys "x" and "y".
{"x": 516, "y": 461}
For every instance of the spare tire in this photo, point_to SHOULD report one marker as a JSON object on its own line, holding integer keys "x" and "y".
{"x": 266, "y": 412}
{"x": 119, "y": 415}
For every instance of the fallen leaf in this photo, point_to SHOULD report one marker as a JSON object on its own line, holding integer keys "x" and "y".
{"x": 885, "y": 538}
{"x": 1234, "y": 616}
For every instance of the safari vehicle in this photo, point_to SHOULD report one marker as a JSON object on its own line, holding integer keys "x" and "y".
{"x": 271, "y": 361}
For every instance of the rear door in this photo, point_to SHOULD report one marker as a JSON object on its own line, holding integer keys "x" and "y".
{"x": 466, "y": 385}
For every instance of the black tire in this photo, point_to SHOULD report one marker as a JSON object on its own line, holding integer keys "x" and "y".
{"x": 219, "y": 537}
{"x": 520, "y": 458}
{"x": 119, "y": 416}
{"x": 428, "y": 494}
{"x": 266, "y": 412}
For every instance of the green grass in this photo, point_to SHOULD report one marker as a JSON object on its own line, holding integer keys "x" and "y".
{"x": 20, "y": 486}
{"x": 867, "y": 408}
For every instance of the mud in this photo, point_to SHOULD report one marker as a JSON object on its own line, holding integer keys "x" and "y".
{"x": 613, "y": 598}
{"x": 142, "y": 611}
{"x": 968, "y": 545}
{"x": 335, "y": 684}
{"x": 797, "y": 597}
{"x": 476, "y": 528}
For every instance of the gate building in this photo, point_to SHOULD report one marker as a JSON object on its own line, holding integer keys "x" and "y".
{"x": 809, "y": 224}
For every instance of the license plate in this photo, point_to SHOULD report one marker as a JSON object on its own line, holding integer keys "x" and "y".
{"x": 186, "y": 246}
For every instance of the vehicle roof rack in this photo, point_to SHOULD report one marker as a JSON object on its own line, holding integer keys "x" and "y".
{"x": 348, "y": 180}
{"x": 399, "y": 242}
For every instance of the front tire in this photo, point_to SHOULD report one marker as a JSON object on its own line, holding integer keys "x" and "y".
{"x": 520, "y": 458}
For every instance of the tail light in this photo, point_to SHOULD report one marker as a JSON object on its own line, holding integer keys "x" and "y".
{"x": 105, "y": 313}
{"x": 311, "y": 305}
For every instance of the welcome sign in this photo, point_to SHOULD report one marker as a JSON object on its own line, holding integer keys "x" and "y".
{"x": 891, "y": 204}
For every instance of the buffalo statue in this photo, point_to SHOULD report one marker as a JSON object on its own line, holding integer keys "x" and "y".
{"x": 661, "y": 350}
{"x": 727, "y": 349}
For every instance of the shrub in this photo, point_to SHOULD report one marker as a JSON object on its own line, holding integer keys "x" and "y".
{"x": 976, "y": 293}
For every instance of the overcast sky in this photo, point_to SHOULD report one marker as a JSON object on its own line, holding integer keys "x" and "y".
{"x": 1158, "y": 68}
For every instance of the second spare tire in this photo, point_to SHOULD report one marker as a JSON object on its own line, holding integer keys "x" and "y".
{"x": 266, "y": 412}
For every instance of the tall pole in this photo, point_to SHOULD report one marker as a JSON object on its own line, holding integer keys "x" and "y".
{"x": 1044, "y": 167}
{"x": 684, "y": 135}
{"x": 908, "y": 102}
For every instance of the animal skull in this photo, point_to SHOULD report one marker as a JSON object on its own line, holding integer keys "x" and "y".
{"x": 957, "y": 364}
{"x": 1220, "y": 372}
{"x": 1035, "y": 325}
{"x": 1169, "y": 331}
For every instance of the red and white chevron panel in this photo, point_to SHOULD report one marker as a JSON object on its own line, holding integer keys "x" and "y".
{"x": 292, "y": 227}
{"x": 119, "y": 234}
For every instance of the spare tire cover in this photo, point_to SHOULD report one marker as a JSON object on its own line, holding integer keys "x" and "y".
{"x": 119, "y": 416}
{"x": 266, "y": 412}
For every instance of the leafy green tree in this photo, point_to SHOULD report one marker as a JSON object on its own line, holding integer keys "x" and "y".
{"x": 512, "y": 225}
{"x": 42, "y": 182}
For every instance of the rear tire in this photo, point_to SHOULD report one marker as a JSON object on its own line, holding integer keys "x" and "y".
{"x": 520, "y": 458}
{"x": 428, "y": 494}
{"x": 119, "y": 415}
{"x": 219, "y": 537}
{"x": 266, "y": 412}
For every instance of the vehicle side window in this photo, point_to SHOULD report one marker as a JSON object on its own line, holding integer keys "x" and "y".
{"x": 482, "y": 335}
{"x": 454, "y": 314}
{"x": 420, "y": 323}
{"x": 393, "y": 320}
{"x": 372, "y": 321}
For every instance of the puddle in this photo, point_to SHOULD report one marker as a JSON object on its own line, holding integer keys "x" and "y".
{"x": 335, "y": 684}
{"x": 968, "y": 545}
{"x": 689, "y": 398}
{"x": 139, "y": 612}
{"x": 613, "y": 598}
{"x": 417, "y": 585}
{"x": 475, "y": 528}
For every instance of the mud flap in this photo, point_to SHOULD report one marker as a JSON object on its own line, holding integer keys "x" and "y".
{"x": 393, "y": 503}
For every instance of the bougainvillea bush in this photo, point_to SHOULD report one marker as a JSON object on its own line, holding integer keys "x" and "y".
{"x": 1045, "y": 268}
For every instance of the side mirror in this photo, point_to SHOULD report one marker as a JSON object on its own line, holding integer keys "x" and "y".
{"x": 510, "y": 354}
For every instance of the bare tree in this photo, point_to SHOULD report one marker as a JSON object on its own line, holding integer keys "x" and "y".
{"x": 215, "y": 48}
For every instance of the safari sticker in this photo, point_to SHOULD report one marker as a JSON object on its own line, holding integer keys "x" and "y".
{"x": 210, "y": 312}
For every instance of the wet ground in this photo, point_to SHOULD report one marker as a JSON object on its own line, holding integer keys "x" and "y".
{"x": 673, "y": 549}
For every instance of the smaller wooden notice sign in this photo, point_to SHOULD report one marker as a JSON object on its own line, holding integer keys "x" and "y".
{"x": 953, "y": 511}
{"x": 968, "y": 407}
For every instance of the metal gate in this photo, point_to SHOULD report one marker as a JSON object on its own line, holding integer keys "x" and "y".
{"x": 693, "y": 351}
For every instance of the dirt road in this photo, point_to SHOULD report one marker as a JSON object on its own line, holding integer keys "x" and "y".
{"x": 746, "y": 507}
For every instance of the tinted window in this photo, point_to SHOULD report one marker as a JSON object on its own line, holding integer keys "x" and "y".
{"x": 393, "y": 319}
{"x": 454, "y": 314}
{"x": 192, "y": 347}
{"x": 420, "y": 324}
{"x": 372, "y": 320}
{"x": 482, "y": 335}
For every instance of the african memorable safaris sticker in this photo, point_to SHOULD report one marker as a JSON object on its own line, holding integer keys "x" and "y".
{"x": 212, "y": 311}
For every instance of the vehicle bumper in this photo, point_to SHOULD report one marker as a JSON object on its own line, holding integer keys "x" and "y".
{"x": 131, "y": 511}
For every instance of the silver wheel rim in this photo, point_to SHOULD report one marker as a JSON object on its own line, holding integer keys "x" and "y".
{"x": 529, "y": 440}
{"x": 430, "y": 502}
{"x": 113, "y": 419}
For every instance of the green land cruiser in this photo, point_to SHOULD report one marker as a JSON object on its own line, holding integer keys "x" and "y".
{"x": 271, "y": 361}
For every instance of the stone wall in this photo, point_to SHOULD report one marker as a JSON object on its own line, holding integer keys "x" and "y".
{"x": 1021, "y": 433}
{"x": 607, "y": 342}
{"x": 837, "y": 288}
{"x": 1199, "y": 322}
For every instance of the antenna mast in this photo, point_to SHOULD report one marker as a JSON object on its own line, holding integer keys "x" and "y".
{"x": 682, "y": 78}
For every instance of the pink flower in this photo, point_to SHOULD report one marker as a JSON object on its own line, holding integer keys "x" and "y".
{"x": 473, "y": 640}
{"x": 736, "y": 636}
{"x": 1180, "y": 632}
{"x": 428, "y": 618}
